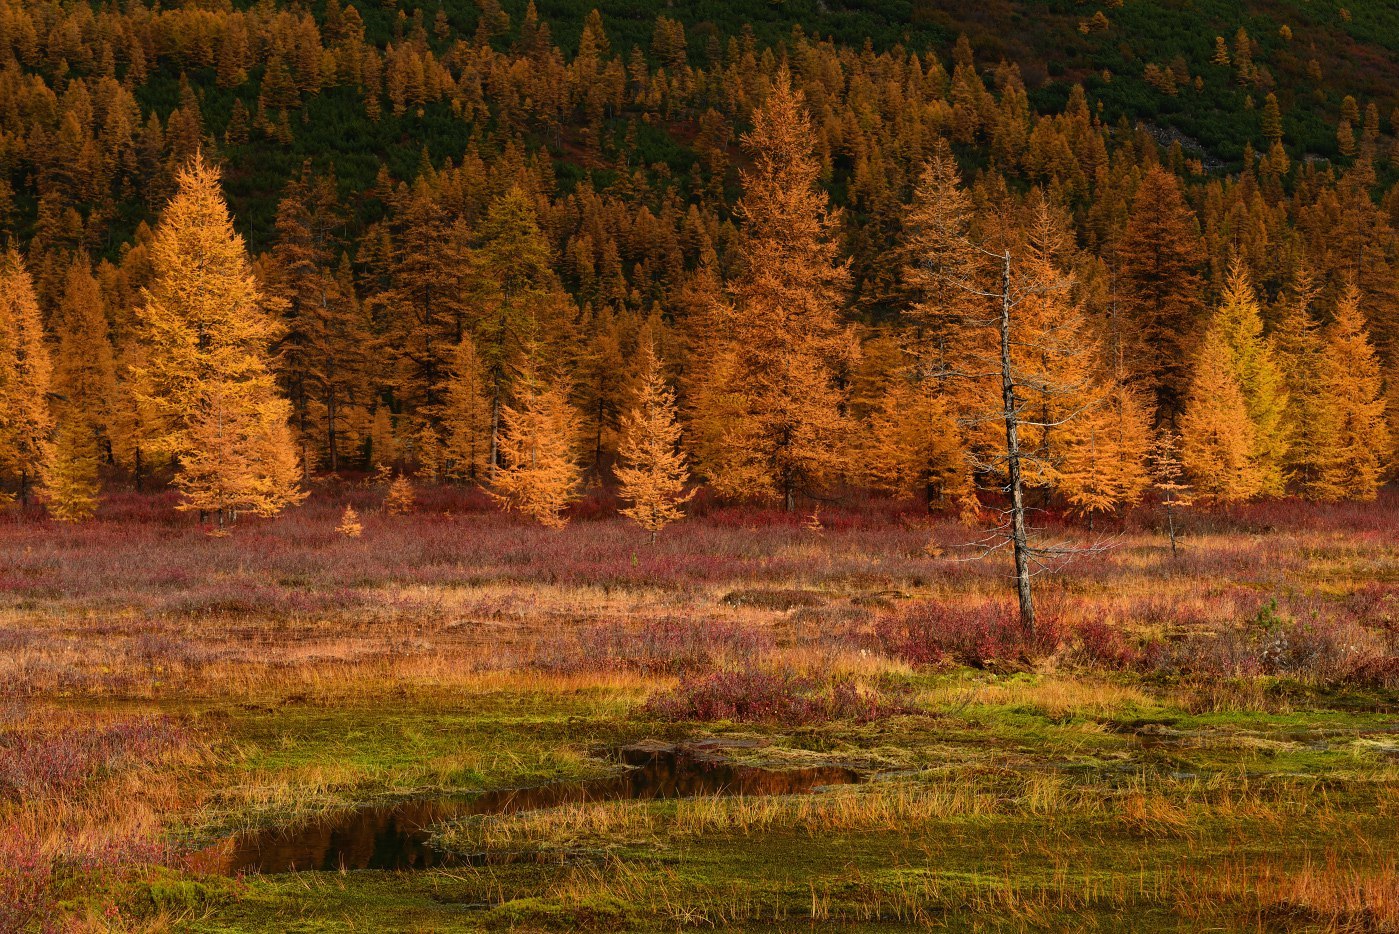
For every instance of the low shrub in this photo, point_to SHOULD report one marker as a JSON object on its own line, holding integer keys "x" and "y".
{"x": 752, "y": 696}
{"x": 931, "y": 633}
{"x": 48, "y": 762}
{"x": 26, "y": 896}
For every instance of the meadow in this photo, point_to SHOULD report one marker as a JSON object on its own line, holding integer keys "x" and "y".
{"x": 1203, "y": 741}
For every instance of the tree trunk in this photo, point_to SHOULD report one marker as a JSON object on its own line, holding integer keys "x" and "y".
{"x": 1019, "y": 538}
{"x": 495, "y": 440}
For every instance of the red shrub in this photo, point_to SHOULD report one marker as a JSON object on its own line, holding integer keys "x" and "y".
{"x": 930, "y": 632}
{"x": 767, "y": 697}
{"x": 26, "y": 875}
{"x": 45, "y": 763}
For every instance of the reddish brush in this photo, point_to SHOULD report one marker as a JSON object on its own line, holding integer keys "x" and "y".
{"x": 931, "y": 632}
{"x": 753, "y": 696}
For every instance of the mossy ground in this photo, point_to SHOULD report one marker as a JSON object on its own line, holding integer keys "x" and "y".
{"x": 1087, "y": 802}
{"x": 435, "y": 657}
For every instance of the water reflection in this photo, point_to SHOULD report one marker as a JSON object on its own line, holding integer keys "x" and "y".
{"x": 396, "y": 837}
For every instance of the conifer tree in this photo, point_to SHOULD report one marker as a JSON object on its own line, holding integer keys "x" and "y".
{"x": 84, "y": 373}
{"x": 427, "y": 308}
{"x": 912, "y": 445}
{"x": 350, "y": 525}
{"x": 25, "y": 377}
{"x": 1159, "y": 258}
{"x": 940, "y": 273}
{"x": 401, "y": 497}
{"x": 1104, "y": 464}
{"x": 652, "y": 473}
{"x": 1168, "y": 479}
{"x": 322, "y": 351}
{"x": 1217, "y": 442}
{"x": 467, "y": 415}
{"x": 1350, "y": 392}
{"x": 539, "y": 472}
{"x": 1239, "y": 322}
{"x": 206, "y": 381}
{"x": 781, "y": 327}
{"x": 71, "y": 483}
{"x": 520, "y": 304}
{"x": 1309, "y": 426}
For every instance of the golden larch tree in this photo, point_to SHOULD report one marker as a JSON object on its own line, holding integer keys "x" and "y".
{"x": 1296, "y": 342}
{"x": 1158, "y": 262}
{"x": 779, "y": 344}
{"x": 1239, "y": 323}
{"x": 1350, "y": 391}
{"x": 467, "y": 415}
{"x": 652, "y": 472}
{"x": 539, "y": 473}
{"x": 25, "y": 377}
{"x": 84, "y": 374}
{"x": 1216, "y": 434}
{"x": 207, "y": 381}
{"x": 1168, "y": 480}
{"x": 912, "y": 445}
{"x": 71, "y": 481}
{"x": 1104, "y": 461}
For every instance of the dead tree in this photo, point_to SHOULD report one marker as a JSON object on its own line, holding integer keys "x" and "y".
{"x": 1020, "y": 388}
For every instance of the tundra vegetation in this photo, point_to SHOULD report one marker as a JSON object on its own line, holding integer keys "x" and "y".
{"x": 987, "y": 407}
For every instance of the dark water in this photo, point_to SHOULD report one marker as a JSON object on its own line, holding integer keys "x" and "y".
{"x": 396, "y": 836}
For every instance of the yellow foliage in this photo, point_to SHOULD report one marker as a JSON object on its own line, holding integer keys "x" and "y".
{"x": 71, "y": 482}
{"x": 206, "y": 381}
{"x": 539, "y": 471}
{"x": 25, "y": 374}
{"x": 653, "y": 472}
{"x": 400, "y": 499}
{"x": 1217, "y": 438}
{"x": 350, "y": 525}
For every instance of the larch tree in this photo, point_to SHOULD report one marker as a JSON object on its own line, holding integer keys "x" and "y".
{"x": 426, "y": 309}
{"x": 1168, "y": 479}
{"x": 514, "y": 264}
{"x": 84, "y": 370}
{"x": 1104, "y": 464}
{"x": 781, "y": 345}
{"x": 71, "y": 480}
{"x": 539, "y": 473}
{"x": 467, "y": 415}
{"x": 911, "y": 444}
{"x": 1297, "y": 344}
{"x": 939, "y": 270}
{"x": 1158, "y": 263}
{"x": 1054, "y": 356}
{"x": 323, "y": 350}
{"x": 1239, "y": 323}
{"x": 1217, "y": 440}
{"x": 207, "y": 381}
{"x": 1351, "y": 391}
{"x": 25, "y": 377}
{"x": 652, "y": 472}
{"x": 85, "y": 398}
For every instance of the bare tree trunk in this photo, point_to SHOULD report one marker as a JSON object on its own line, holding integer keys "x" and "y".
{"x": 1019, "y": 539}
